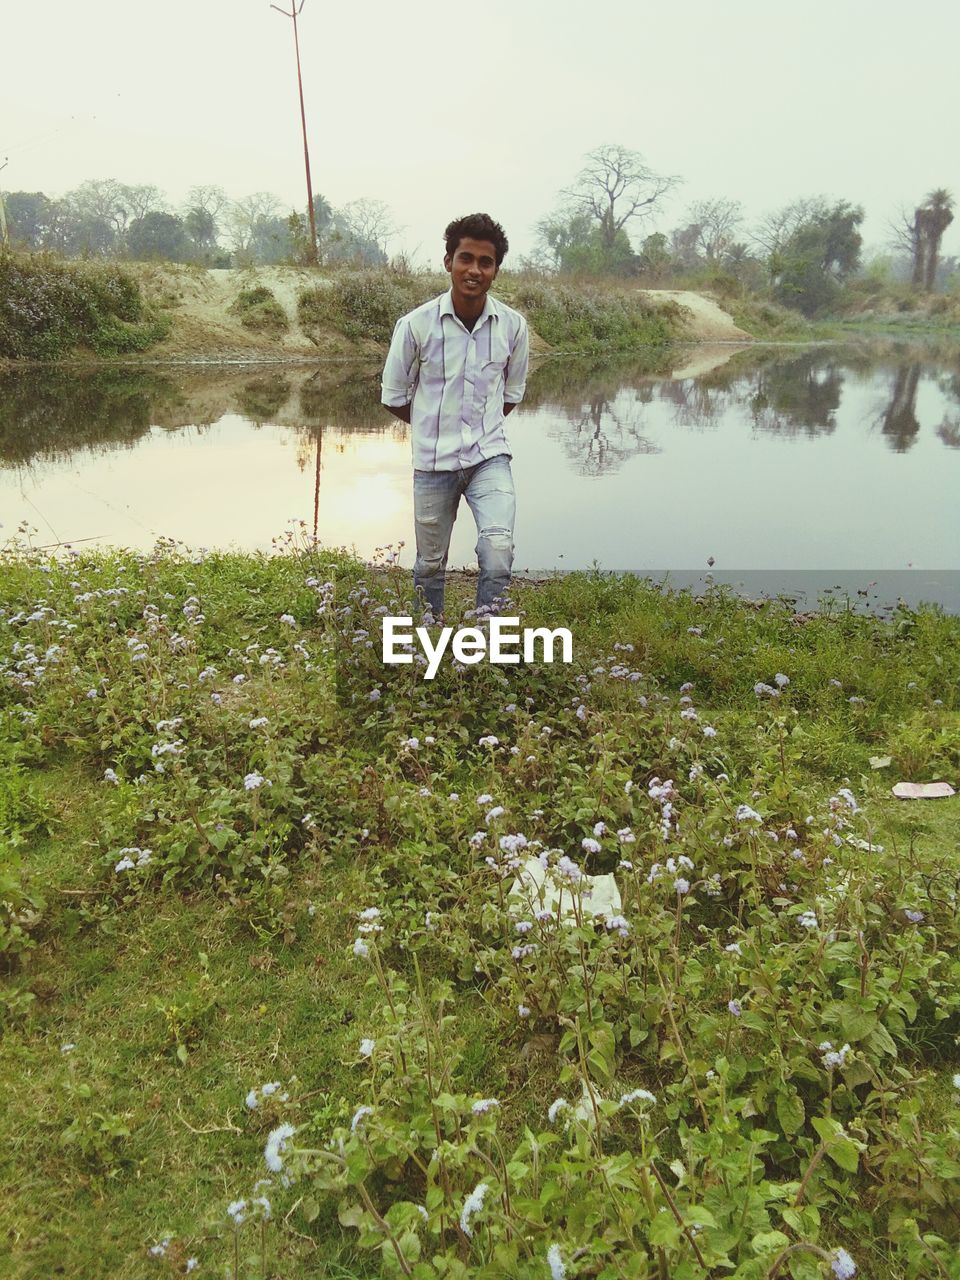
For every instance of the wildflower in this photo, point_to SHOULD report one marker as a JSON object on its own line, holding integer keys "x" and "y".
{"x": 581, "y": 712}
{"x": 624, "y": 865}
{"x": 681, "y": 886}
{"x": 360, "y": 948}
{"x": 484, "y": 800}
{"x": 619, "y": 923}
{"x": 288, "y": 619}
{"x": 733, "y": 948}
{"x": 92, "y": 693}
{"x": 558, "y": 1105}
{"x": 628, "y": 787}
{"x": 780, "y": 680}
{"x": 410, "y": 744}
{"x": 554, "y": 1261}
{"x": 834, "y": 1058}
{"x": 599, "y": 829}
{"x": 765, "y": 690}
{"x": 637, "y": 1095}
{"x": 688, "y": 713}
{"x": 694, "y": 631}
{"x": 253, "y": 781}
{"x": 258, "y": 722}
{"x": 956, "y": 1080}
{"x": 746, "y": 814}
{"x": 523, "y": 926}
{"x": 477, "y": 839}
{"x": 367, "y": 1047}
{"x": 192, "y": 1264}
{"x": 483, "y": 1105}
{"x": 110, "y": 776}
{"x": 159, "y": 1250}
{"x": 808, "y": 920}
{"x": 473, "y": 1204}
{"x": 626, "y": 836}
{"x": 568, "y": 869}
{"x": 496, "y": 812}
{"x": 523, "y": 1011}
{"x": 67, "y": 1048}
{"x": 589, "y": 845}
{"x": 709, "y": 731}
{"x": 735, "y": 1008}
{"x": 235, "y": 1210}
{"x": 239, "y": 679}
{"x": 276, "y": 1146}
{"x": 915, "y": 917}
{"x": 488, "y": 741}
{"x": 842, "y": 1265}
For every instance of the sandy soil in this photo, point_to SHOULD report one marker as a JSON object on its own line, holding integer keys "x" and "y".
{"x": 198, "y": 302}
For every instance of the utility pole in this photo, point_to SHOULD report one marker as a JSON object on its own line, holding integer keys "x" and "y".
{"x": 294, "y": 14}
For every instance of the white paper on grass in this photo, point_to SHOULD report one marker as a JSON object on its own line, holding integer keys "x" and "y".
{"x": 923, "y": 790}
{"x": 537, "y": 890}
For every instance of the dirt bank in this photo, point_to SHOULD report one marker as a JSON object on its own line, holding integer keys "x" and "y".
{"x": 198, "y": 303}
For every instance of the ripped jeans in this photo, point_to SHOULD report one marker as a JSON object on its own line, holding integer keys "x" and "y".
{"x": 488, "y": 489}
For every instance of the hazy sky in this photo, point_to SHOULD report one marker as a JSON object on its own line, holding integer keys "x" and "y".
{"x": 440, "y": 111}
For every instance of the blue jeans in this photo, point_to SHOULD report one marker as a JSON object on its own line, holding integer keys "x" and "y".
{"x": 488, "y": 489}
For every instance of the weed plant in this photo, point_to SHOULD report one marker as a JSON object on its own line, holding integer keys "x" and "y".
{"x": 49, "y": 308}
{"x": 274, "y": 1007}
{"x": 259, "y": 310}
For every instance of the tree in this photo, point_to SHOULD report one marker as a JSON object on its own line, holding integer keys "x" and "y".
{"x": 655, "y": 261}
{"x": 369, "y": 224}
{"x": 615, "y": 187}
{"x": 574, "y": 243}
{"x": 159, "y": 235}
{"x": 33, "y": 219}
{"x": 930, "y": 221}
{"x": 139, "y": 201}
{"x": 717, "y": 222}
{"x": 243, "y": 216}
{"x": 818, "y": 256}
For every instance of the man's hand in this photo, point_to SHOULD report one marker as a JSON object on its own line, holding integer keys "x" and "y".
{"x": 399, "y": 411}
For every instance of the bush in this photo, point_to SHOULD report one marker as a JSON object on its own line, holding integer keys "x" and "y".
{"x": 48, "y": 307}
{"x": 365, "y": 304}
{"x": 592, "y": 319}
{"x": 259, "y": 310}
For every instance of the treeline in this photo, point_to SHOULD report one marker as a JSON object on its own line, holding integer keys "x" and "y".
{"x": 801, "y": 254}
{"x": 104, "y": 218}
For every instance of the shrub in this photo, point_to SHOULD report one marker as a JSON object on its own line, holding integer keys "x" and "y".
{"x": 48, "y": 308}
{"x": 365, "y": 304}
{"x": 591, "y": 319}
{"x": 259, "y": 310}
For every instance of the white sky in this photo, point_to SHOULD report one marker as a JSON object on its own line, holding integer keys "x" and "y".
{"x": 445, "y": 108}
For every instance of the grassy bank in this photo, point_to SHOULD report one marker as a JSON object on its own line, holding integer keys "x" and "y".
{"x": 240, "y": 852}
{"x": 51, "y": 308}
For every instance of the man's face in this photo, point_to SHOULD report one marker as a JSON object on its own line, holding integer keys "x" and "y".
{"x": 472, "y": 267}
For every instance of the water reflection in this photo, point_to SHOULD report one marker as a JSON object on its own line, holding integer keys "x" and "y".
{"x": 762, "y": 457}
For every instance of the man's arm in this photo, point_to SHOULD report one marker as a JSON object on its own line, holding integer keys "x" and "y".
{"x": 400, "y": 371}
{"x": 515, "y": 381}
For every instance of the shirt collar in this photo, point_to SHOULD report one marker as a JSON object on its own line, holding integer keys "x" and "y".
{"x": 490, "y": 308}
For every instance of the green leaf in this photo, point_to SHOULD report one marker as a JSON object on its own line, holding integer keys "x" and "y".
{"x": 790, "y": 1112}
{"x": 310, "y": 1208}
{"x": 769, "y": 1242}
{"x": 844, "y": 1153}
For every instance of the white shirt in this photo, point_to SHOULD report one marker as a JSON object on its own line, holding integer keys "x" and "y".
{"x": 456, "y": 381}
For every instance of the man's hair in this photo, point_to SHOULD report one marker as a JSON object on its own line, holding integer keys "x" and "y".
{"x": 477, "y": 226}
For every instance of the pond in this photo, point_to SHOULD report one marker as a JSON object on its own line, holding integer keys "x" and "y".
{"x": 793, "y": 468}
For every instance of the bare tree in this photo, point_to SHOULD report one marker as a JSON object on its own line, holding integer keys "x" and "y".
{"x": 103, "y": 199}
{"x": 244, "y": 215}
{"x": 212, "y": 200}
{"x": 141, "y": 200}
{"x": 774, "y": 229}
{"x": 717, "y": 222}
{"x": 369, "y": 221}
{"x": 615, "y": 186}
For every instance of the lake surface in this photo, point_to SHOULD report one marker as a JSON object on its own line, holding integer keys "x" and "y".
{"x": 787, "y": 466}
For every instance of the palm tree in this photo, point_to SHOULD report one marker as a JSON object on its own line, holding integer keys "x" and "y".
{"x": 930, "y": 221}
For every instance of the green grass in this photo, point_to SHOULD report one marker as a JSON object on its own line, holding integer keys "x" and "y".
{"x": 229, "y": 962}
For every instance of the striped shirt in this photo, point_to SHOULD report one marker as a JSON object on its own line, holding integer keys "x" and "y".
{"x": 456, "y": 382}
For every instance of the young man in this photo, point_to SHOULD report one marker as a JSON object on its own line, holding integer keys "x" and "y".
{"x": 457, "y": 367}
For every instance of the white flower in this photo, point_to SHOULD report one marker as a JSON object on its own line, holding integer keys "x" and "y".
{"x": 159, "y": 1250}
{"x": 808, "y": 920}
{"x": 709, "y": 731}
{"x": 192, "y": 1264}
{"x": 289, "y": 619}
{"x": 258, "y": 722}
{"x": 252, "y": 1099}
{"x": 488, "y": 741}
{"x": 589, "y": 845}
{"x": 496, "y": 812}
{"x": 834, "y": 1058}
{"x": 558, "y": 1105}
{"x": 67, "y": 1048}
{"x": 483, "y": 1105}
{"x": 110, "y": 776}
{"x": 358, "y": 1115}
{"x": 369, "y": 913}
{"x": 253, "y": 780}
{"x": 235, "y": 1210}
{"x": 956, "y": 1080}
{"x": 360, "y": 948}
{"x": 842, "y": 1265}
{"x": 681, "y": 886}
{"x": 599, "y": 828}
{"x": 637, "y": 1095}
{"x": 554, "y": 1261}
{"x": 276, "y": 1145}
{"x": 735, "y": 1008}
{"x": 523, "y": 1011}
{"x": 473, "y": 1204}
{"x": 746, "y": 814}
{"x": 733, "y": 948}
{"x": 780, "y": 680}
{"x": 367, "y": 1047}
{"x": 484, "y": 800}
